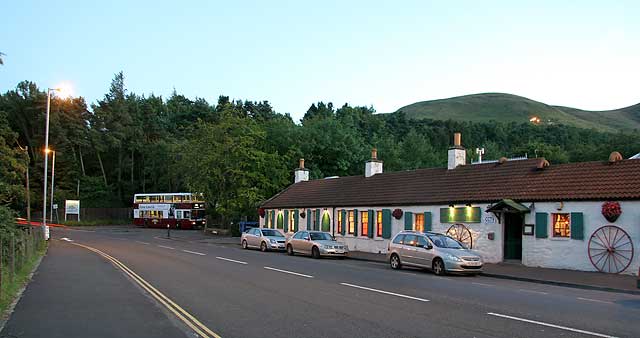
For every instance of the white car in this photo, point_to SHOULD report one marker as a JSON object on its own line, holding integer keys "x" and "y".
{"x": 265, "y": 239}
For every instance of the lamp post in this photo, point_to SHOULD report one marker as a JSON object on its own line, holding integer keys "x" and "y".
{"x": 53, "y": 176}
{"x": 46, "y": 159}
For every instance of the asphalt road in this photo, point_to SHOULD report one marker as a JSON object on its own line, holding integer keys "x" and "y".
{"x": 244, "y": 293}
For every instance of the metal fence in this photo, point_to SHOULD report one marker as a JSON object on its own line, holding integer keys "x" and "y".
{"x": 89, "y": 214}
{"x": 17, "y": 248}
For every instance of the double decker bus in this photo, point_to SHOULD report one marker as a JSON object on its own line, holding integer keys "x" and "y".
{"x": 176, "y": 210}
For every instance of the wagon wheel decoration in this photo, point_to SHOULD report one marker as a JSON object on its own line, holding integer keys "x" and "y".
{"x": 461, "y": 233}
{"x": 610, "y": 249}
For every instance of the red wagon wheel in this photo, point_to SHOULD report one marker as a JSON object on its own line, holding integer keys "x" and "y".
{"x": 610, "y": 249}
{"x": 461, "y": 233}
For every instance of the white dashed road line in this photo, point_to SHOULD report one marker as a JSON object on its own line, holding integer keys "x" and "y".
{"x": 195, "y": 253}
{"x": 166, "y": 247}
{"x": 550, "y": 325}
{"x": 231, "y": 260}
{"x": 289, "y": 272}
{"x": 595, "y": 300}
{"x": 141, "y": 242}
{"x": 533, "y": 291}
{"x": 483, "y": 284}
{"x": 385, "y": 292}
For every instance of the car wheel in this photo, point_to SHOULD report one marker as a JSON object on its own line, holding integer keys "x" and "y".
{"x": 263, "y": 246}
{"x": 289, "y": 250}
{"x": 244, "y": 244}
{"x": 438, "y": 267}
{"x": 315, "y": 252}
{"x": 395, "y": 262}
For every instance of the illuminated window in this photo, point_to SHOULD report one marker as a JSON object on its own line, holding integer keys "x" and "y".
{"x": 351, "y": 226}
{"x": 291, "y": 221}
{"x": 339, "y": 221}
{"x": 379, "y": 223}
{"x": 561, "y": 225}
{"x": 364, "y": 217}
{"x": 418, "y": 223}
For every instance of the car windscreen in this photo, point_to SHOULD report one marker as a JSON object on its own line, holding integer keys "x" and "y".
{"x": 273, "y": 233}
{"x": 320, "y": 236}
{"x": 445, "y": 242}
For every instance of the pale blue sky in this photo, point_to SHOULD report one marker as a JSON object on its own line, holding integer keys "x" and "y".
{"x": 382, "y": 53}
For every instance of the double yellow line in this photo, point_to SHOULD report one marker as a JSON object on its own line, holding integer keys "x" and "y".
{"x": 181, "y": 313}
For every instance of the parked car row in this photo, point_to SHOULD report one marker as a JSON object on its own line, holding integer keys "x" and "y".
{"x": 430, "y": 250}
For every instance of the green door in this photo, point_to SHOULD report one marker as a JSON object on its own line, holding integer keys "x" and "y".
{"x": 513, "y": 223}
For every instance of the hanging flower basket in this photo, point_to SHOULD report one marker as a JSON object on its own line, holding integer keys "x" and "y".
{"x": 611, "y": 211}
{"x": 303, "y": 214}
{"x": 261, "y": 212}
{"x": 397, "y": 213}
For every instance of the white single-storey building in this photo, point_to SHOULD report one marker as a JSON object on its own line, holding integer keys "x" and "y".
{"x": 583, "y": 216}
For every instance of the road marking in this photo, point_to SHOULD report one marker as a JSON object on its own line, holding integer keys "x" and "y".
{"x": 595, "y": 300}
{"x": 178, "y": 311}
{"x": 289, "y": 272}
{"x": 141, "y": 242}
{"x": 231, "y": 260}
{"x": 385, "y": 292}
{"x": 66, "y": 239}
{"x": 483, "y": 284}
{"x": 166, "y": 247}
{"x": 551, "y": 325}
{"x": 195, "y": 253}
{"x": 533, "y": 291}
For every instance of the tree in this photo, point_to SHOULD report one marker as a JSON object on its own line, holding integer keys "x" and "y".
{"x": 226, "y": 163}
{"x": 13, "y": 165}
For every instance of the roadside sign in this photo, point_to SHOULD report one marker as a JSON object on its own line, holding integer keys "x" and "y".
{"x": 55, "y": 206}
{"x": 71, "y": 207}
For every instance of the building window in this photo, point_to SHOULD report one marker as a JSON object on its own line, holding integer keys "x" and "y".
{"x": 561, "y": 225}
{"x": 351, "y": 224}
{"x": 418, "y": 223}
{"x": 269, "y": 219}
{"x": 339, "y": 221}
{"x": 291, "y": 221}
{"x": 379, "y": 223}
{"x": 314, "y": 223}
{"x": 364, "y": 220}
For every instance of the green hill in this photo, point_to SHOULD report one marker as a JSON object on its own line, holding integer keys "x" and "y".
{"x": 512, "y": 108}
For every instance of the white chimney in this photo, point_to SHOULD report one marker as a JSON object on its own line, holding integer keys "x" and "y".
{"x": 373, "y": 166}
{"x": 457, "y": 154}
{"x": 301, "y": 174}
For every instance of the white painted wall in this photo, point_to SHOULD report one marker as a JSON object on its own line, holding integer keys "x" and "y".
{"x": 538, "y": 252}
{"x": 572, "y": 254}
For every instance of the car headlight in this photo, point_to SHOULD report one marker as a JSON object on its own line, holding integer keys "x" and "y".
{"x": 273, "y": 241}
{"x": 452, "y": 258}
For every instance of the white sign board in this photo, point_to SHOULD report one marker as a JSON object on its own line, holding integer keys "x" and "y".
{"x": 154, "y": 206}
{"x": 55, "y": 206}
{"x": 71, "y": 207}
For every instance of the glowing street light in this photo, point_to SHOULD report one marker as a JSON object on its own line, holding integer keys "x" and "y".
{"x": 64, "y": 91}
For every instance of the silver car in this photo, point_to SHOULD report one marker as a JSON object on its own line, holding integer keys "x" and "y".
{"x": 438, "y": 252}
{"x": 265, "y": 239}
{"x": 316, "y": 244}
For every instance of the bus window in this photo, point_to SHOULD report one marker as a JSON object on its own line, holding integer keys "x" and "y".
{"x": 141, "y": 213}
{"x": 179, "y": 214}
{"x": 168, "y": 199}
{"x": 187, "y": 214}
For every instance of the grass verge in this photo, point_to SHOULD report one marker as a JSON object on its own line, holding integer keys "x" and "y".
{"x": 9, "y": 290}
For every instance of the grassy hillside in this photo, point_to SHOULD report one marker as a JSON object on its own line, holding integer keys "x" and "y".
{"x": 511, "y": 108}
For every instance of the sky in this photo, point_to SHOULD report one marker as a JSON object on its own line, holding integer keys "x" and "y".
{"x": 385, "y": 54}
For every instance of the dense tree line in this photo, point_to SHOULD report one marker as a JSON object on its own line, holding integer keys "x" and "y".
{"x": 238, "y": 153}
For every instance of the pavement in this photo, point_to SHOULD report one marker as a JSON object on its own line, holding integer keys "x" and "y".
{"x": 248, "y": 293}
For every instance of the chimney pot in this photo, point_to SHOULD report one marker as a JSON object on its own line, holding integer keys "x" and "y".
{"x": 302, "y": 163}
{"x": 457, "y": 139}
{"x": 374, "y": 154}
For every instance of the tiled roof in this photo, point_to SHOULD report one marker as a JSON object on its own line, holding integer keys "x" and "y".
{"x": 491, "y": 182}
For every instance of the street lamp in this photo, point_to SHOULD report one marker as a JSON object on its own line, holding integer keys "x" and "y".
{"x": 53, "y": 176}
{"x": 46, "y": 159}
